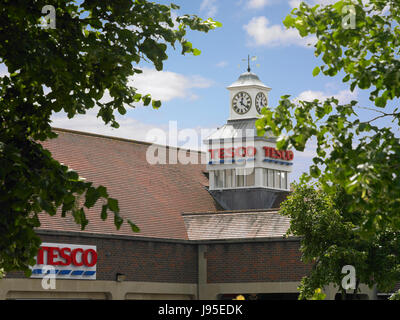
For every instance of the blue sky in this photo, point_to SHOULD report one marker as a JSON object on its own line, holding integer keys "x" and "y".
{"x": 193, "y": 88}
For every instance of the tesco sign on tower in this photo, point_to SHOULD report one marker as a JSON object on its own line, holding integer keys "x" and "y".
{"x": 66, "y": 261}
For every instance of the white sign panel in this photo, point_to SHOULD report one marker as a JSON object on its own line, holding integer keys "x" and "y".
{"x": 66, "y": 261}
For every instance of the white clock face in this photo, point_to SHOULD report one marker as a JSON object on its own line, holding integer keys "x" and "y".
{"x": 241, "y": 102}
{"x": 261, "y": 101}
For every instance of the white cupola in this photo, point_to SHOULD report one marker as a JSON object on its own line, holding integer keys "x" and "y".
{"x": 246, "y": 171}
{"x": 247, "y": 96}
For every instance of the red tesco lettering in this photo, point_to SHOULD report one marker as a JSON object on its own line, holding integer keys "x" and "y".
{"x": 78, "y": 257}
{"x": 241, "y": 152}
{"x": 278, "y": 154}
{"x": 226, "y": 153}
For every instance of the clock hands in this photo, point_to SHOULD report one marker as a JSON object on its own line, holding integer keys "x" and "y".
{"x": 261, "y": 101}
{"x": 241, "y": 102}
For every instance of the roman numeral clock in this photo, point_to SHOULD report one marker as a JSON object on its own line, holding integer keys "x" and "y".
{"x": 248, "y": 96}
{"x": 261, "y": 101}
{"x": 241, "y": 102}
{"x": 247, "y": 171}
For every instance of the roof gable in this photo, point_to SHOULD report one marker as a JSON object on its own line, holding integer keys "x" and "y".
{"x": 152, "y": 196}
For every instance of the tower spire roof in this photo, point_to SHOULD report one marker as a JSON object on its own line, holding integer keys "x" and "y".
{"x": 248, "y": 79}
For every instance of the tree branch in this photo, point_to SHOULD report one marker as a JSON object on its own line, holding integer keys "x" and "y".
{"x": 383, "y": 114}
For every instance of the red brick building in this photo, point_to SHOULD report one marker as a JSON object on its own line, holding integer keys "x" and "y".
{"x": 208, "y": 230}
{"x": 188, "y": 247}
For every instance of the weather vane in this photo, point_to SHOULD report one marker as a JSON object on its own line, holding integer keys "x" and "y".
{"x": 253, "y": 58}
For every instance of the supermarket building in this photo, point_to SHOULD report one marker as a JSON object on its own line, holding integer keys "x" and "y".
{"x": 208, "y": 229}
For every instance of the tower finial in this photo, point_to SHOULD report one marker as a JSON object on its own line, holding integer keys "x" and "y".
{"x": 253, "y": 58}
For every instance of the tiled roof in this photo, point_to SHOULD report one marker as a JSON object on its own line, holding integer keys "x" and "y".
{"x": 152, "y": 196}
{"x": 237, "y": 130}
{"x": 236, "y": 224}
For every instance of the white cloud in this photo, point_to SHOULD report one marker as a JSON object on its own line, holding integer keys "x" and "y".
{"x": 257, "y": 4}
{"x": 167, "y": 85}
{"x": 344, "y": 96}
{"x": 310, "y": 95}
{"x": 303, "y": 160}
{"x": 129, "y": 128}
{"x": 163, "y": 85}
{"x": 170, "y": 134}
{"x": 209, "y": 7}
{"x": 261, "y": 34}
{"x": 222, "y": 64}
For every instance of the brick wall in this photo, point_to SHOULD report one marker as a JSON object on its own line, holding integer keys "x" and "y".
{"x": 269, "y": 261}
{"x": 139, "y": 260}
{"x": 177, "y": 261}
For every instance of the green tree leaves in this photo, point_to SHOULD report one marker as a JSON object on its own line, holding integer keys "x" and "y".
{"x": 331, "y": 239}
{"x": 366, "y": 53}
{"x": 92, "y": 52}
{"x": 359, "y": 158}
{"x": 316, "y": 71}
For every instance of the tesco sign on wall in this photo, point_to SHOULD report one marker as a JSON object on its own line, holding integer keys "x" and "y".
{"x": 66, "y": 261}
{"x": 241, "y": 152}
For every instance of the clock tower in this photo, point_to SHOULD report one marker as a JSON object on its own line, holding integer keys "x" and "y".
{"x": 248, "y": 95}
{"x": 247, "y": 171}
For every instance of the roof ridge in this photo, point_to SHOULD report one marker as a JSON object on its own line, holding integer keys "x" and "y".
{"x": 272, "y": 210}
{"x": 123, "y": 139}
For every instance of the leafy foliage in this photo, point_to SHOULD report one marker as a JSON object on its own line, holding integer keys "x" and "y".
{"x": 329, "y": 241}
{"x": 91, "y": 52}
{"x": 318, "y": 295}
{"x": 357, "y": 161}
{"x": 360, "y": 156}
{"x": 395, "y": 296}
